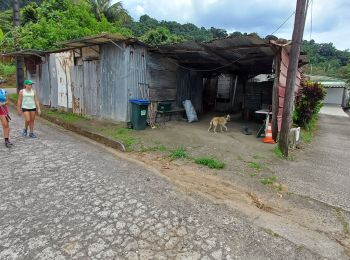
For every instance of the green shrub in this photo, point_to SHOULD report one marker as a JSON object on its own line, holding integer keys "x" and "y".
{"x": 308, "y": 104}
{"x": 178, "y": 153}
{"x": 268, "y": 180}
{"x": 7, "y": 69}
{"x": 210, "y": 162}
{"x": 255, "y": 165}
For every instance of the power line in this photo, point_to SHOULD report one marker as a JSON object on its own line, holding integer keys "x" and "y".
{"x": 312, "y": 2}
{"x": 279, "y": 27}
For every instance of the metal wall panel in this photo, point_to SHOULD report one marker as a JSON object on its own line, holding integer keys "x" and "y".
{"x": 334, "y": 96}
{"x": 77, "y": 75}
{"x": 137, "y": 73}
{"x": 282, "y": 84}
{"x": 114, "y": 73}
{"x": 64, "y": 61}
{"x": 43, "y": 83}
{"x": 162, "y": 74}
{"x": 190, "y": 86}
{"x": 53, "y": 81}
{"x": 91, "y": 87}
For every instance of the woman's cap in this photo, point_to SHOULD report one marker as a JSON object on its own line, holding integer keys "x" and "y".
{"x": 28, "y": 82}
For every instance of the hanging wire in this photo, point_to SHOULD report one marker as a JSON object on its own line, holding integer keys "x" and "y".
{"x": 279, "y": 27}
{"x": 311, "y": 33}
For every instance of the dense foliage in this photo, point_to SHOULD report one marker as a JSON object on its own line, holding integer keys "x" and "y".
{"x": 55, "y": 21}
{"x": 46, "y": 22}
{"x": 326, "y": 60}
{"x": 308, "y": 104}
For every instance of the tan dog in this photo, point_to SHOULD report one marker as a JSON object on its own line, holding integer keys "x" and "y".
{"x": 222, "y": 121}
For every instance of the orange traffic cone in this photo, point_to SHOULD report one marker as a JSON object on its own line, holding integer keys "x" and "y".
{"x": 268, "y": 135}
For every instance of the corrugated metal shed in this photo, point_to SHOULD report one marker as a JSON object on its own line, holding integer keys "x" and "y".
{"x": 246, "y": 54}
{"x": 334, "y": 84}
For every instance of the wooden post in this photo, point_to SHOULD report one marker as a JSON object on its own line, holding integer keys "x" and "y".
{"x": 19, "y": 59}
{"x": 291, "y": 74}
{"x": 275, "y": 96}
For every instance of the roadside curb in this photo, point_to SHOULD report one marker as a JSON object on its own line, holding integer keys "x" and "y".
{"x": 91, "y": 135}
{"x": 94, "y": 136}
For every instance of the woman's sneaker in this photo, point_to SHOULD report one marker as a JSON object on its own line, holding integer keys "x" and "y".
{"x": 8, "y": 144}
{"x": 24, "y": 132}
{"x": 32, "y": 135}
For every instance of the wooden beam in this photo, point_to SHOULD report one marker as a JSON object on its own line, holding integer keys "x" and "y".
{"x": 275, "y": 97}
{"x": 242, "y": 47}
{"x": 294, "y": 53}
{"x": 219, "y": 55}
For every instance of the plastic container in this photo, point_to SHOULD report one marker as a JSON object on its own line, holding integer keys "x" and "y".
{"x": 164, "y": 106}
{"x": 139, "y": 109}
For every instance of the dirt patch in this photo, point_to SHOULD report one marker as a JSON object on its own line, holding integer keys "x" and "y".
{"x": 303, "y": 225}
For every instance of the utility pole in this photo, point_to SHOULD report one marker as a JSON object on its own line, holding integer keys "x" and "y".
{"x": 299, "y": 23}
{"x": 19, "y": 59}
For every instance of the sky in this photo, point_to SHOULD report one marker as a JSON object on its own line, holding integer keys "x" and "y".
{"x": 330, "y": 18}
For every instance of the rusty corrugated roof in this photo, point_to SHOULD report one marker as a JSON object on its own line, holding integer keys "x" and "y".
{"x": 244, "y": 53}
{"x": 100, "y": 39}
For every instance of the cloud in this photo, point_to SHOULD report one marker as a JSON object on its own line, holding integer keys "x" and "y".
{"x": 330, "y": 19}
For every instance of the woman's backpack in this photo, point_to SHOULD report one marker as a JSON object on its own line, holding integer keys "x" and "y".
{"x": 3, "y": 94}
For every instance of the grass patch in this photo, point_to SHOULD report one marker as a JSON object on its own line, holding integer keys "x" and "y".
{"x": 65, "y": 116}
{"x": 255, "y": 165}
{"x": 308, "y": 132}
{"x": 307, "y": 135}
{"x": 269, "y": 180}
{"x": 253, "y": 174}
{"x": 343, "y": 221}
{"x": 210, "y": 162}
{"x": 155, "y": 148}
{"x": 13, "y": 97}
{"x": 277, "y": 151}
{"x": 124, "y": 135}
{"x": 162, "y": 148}
{"x": 178, "y": 153}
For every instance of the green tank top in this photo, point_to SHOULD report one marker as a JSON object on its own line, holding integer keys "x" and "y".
{"x": 28, "y": 101}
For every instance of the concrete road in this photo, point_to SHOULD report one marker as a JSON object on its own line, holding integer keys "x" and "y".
{"x": 322, "y": 171}
{"x": 63, "y": 197}
{"x": 333, "y": 110}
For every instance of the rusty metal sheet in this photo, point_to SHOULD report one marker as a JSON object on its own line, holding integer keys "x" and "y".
{"x": 113, "y": 94}
{"x": 77, "y": 84}
{"x": 282, "y": 84}
{"x": 64, "y": 61}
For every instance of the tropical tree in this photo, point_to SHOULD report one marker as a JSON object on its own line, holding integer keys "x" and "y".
{"x": 160, "y": 35}
{"x": 6, "y": 20}
{"x": 113, "y": 12}
{"x": 55, "y": 21}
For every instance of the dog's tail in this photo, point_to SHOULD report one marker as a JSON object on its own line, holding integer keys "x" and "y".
{"x": 210, "y": 124}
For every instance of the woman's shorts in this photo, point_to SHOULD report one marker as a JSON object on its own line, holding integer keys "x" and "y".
{"x": 28, "y": 110}
{"x": 3, "y": 111}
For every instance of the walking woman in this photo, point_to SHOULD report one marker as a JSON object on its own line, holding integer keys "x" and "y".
{"x": 4, "y": 116}
{"x": 28, "y": 104}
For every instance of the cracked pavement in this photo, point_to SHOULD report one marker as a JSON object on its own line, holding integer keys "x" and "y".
{"x": 62, "y": 197}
